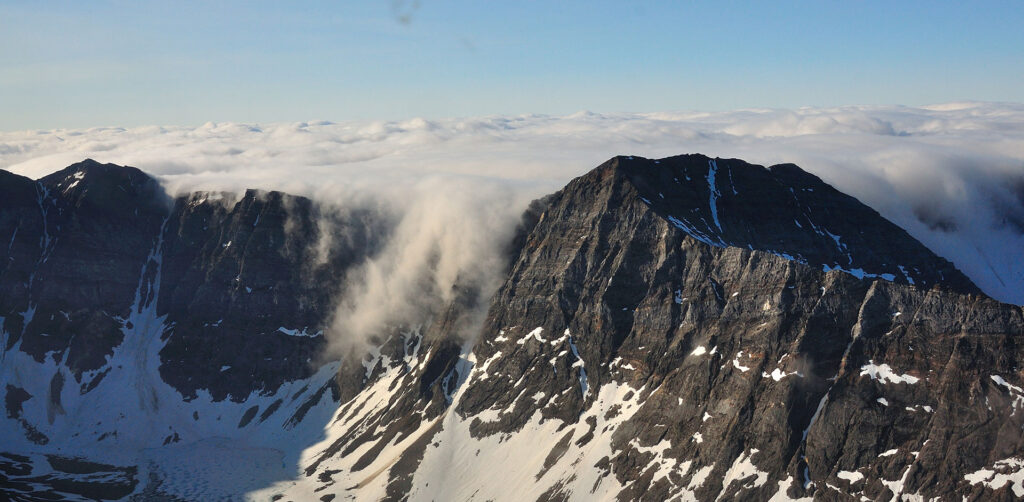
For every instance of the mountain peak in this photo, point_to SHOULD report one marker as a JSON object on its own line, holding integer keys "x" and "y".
{"x": 93, "y": 169}
{"x": 106, "y": 185}
{"x": 783, "y": 210}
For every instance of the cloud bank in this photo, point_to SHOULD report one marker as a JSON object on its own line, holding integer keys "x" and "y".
{"x": 952, "y": 175}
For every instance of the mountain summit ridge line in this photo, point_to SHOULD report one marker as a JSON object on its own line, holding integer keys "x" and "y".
{"x": 680, "y": 327}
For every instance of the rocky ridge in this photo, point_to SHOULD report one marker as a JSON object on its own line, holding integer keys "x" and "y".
{"x": 682, "y": 328}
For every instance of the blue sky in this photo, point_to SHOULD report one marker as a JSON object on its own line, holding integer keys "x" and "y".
{"x": 126, "y": 63}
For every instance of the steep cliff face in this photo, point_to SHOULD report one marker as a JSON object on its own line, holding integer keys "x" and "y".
{"x": 236, "y": 289}
{"x": 684, "y": 328}
{"x": 132, "y": 320}
{"x": 76, "y": 243}
{"x": 249, "y": 286}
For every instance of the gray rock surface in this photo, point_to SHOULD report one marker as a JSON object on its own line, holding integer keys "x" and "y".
{"x": 747, "y": 348}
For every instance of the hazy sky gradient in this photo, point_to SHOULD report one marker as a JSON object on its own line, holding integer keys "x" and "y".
{"x": 126, "y": 63}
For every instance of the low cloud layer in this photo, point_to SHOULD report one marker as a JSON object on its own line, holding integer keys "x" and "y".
{"x": 952, "y": 175}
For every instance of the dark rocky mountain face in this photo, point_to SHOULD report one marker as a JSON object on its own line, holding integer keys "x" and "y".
{"x": 237, "y": 278}
{"x": 63, "y": 274}
{"x": 251, "y": 275}
{"x": 752, "y": 375}
{"x": 786, "y": 211}
{"x": 676, "y": 329}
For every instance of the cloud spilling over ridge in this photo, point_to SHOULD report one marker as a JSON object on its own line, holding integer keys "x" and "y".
{"x": 952, "y": 175}
{"x": 448, "y": 242}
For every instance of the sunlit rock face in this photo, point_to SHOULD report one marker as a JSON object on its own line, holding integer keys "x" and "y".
{"x": 684, "y": 328}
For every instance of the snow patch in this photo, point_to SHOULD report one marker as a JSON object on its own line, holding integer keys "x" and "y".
{"x": 778, "y": 374}
{"x": 1015, "y": 392}
{"x": 743, "y": 468}
{"x": 535, "y": 334}
{"x": 714, "y": 193}
{"x": 737, "y": 365}
{"x": 1009, "y": 470}
{"x": 781, "y": 496}
{"x": 584, "y": 387}
{"x": 303, "y": 332}
{"x": 883, "y": 373}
